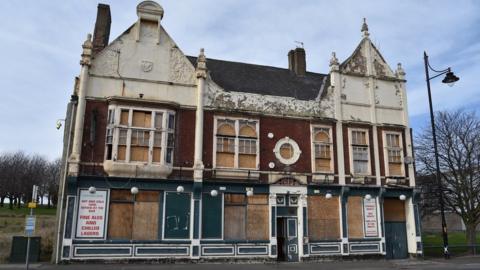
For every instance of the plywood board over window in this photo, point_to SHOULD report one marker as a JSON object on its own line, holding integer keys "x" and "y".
{"x": 355, "y": 217}
{"x": 323, "y": 218}
{"x": 246, "y": 218}
{"x": 120, "y": 214}
{"x": 394, "y": 210}
{"x": 257, "y": 217}
{"x": 145, "y": 220}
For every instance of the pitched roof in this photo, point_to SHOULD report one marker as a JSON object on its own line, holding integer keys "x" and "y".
{"x": 265, "y": 80}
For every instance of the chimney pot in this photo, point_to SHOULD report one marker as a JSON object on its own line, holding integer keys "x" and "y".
{"x": 101, "y": 33}
{"x": 297, "y": 62}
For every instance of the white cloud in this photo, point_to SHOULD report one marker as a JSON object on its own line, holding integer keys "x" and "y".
{"x": 43, "y": 46}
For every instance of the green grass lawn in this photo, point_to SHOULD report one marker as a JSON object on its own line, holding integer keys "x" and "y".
{"x": 455, "y": 239}
{"x": 43, "y": 210}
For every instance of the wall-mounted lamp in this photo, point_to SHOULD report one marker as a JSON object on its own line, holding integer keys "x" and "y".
{"x": 328, "y": 195}
{"x": 92, "y": 190}
{"x": 214, "y": 193}
{"x": 59, "y": 123}
{"x": 134, "y": 190}
{"x": 249, "y": 191}
{"x": 368, "y": 196}
{"x": 402, "y": 197}
{"x": 180, "y": 189}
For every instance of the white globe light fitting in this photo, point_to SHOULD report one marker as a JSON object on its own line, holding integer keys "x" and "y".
{"x": 134, "y": 190}
{"x": 368, "y": 196}
{"x": 402, "y": 197}
{"x": 328, "y": 195}
{"x": 214, "y": 193}
{"x": 270, "y": 135}
{"x": 180, "y": 189}
{"x": 250, "y": 193}
{"x": 92, "y": 190}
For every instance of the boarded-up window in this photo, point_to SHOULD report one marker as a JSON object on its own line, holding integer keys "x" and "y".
{"x": 211, "y": 216}
{"x": 236, "y": 147}
{"x": 120, "y": 214}
{"x": 394, "y": 153}
{"x": 355, "y": 217}
{"x": 177, "y": 215}
{"x": 141, "y": 136}
{"x": 133, "y": 218}
{"x": 394, "y": 210}
{"x": 145, "y": 218}
{"x": 322, "y": 144}
{"x": 257, "y": 217}
{"x": 323, "y": 218}
{"x": 246, "y": 219}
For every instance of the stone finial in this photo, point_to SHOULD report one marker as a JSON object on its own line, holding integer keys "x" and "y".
{"x": 365, "y": 28}
{"x": 87, "y": 51}
{"x": 334, "y": 65}
{"x": 201, "y": 70}
{"x": 400, "y": 73}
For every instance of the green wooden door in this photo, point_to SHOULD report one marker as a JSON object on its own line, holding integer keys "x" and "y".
{"x": 396, "y": 240}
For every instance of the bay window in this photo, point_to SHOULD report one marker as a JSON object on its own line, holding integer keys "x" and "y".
{"x": 140, "y": 135}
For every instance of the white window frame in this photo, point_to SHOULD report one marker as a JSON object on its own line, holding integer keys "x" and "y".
{"x": 385, "y": 152}
{"x": 117, "y": 109}
{"x": 312, "y": 140}
{"x": 237, "y": 131}
{"x": 369, "y": 165}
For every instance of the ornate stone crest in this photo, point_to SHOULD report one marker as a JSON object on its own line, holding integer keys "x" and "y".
{"x": 147, "y": 66}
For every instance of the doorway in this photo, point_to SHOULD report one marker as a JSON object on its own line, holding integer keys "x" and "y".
{"x": 287, "y": 239}
{"x": 395, "y": 228}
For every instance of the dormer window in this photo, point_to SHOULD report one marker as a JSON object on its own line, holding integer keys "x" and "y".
{"x": 140, "y": 135}
{"x": 236, "y": 143}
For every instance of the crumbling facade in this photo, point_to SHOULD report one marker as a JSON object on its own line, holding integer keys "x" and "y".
{"x": 175, "y": 156}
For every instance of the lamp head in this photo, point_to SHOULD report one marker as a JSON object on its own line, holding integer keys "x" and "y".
{"x": 180, "y": 189}
{"x": 92, "y": 190}
{"x": 134, "y": 190}
{"x": 450, "y": 79}
{"x": 328, "y": 195}
{"x": 214, "y": 193}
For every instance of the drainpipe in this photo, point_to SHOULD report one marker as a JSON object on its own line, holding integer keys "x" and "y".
{"x": 85, "y": 62}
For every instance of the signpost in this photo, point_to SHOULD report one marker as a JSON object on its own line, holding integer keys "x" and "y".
{"x": 30, "y": 223}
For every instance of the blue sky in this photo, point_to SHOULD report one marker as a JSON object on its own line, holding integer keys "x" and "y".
{"x": 40, "y": 41}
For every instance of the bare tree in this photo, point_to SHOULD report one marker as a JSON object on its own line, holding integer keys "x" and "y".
{"x": 52, "y": 180}
{"x": 458, "y": 137}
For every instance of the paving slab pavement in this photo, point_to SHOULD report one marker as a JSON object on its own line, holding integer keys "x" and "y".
{"x": 437, "y": 264}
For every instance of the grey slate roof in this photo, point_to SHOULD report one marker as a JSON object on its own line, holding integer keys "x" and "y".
{"x": 265, "y": 80}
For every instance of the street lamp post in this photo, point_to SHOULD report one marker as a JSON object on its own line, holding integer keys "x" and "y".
{"x": 449, "y": 79}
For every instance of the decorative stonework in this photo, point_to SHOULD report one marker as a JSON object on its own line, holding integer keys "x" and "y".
{"x": 181, "y": 70}
{"x": 295, "y": 155}
{"x": 357, "y": 64}
{"x": 216, "y": 97}
{"x": 147, "y": 66}
{"x": 108, "y": 61}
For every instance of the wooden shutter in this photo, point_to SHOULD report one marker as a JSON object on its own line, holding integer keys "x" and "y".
{"x": 394, "y": 210}
{"x": 257, "y": 217}
{"x": 145, "y": 219}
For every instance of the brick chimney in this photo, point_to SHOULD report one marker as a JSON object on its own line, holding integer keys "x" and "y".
{"x": 101, "y": 34}
{"x": 297, "y": 62}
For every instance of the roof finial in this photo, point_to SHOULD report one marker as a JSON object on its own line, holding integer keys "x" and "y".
{"x": 365, "y": 28}
{"x": 201, "y": 69}
{"x": 334, "y": 65}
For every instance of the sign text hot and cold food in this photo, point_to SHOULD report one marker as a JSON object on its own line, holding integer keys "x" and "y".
{"x": 91, "y": 214}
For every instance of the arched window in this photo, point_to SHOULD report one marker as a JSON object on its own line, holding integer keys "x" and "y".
{"x": 236, "y": 142}
{"x": 225, "y": 143}
{"x": 322, "y": 145}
